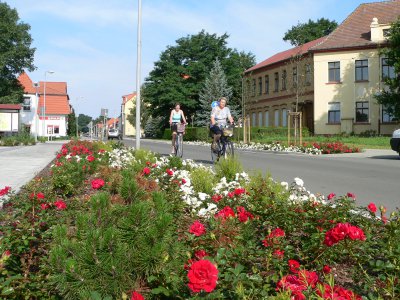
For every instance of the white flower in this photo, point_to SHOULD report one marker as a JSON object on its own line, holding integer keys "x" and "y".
{"x": 299, "y": 181}
{"x": 203, "y": 196}
{"x": 285, "y": 185}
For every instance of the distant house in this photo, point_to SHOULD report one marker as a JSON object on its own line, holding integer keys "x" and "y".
{"x": 128, "y": 103}
{"x": 113, "y": 123}
{"x": 46, "y": 107}
{"x": 9, "y": 119}
{"x": 349, "y": 71}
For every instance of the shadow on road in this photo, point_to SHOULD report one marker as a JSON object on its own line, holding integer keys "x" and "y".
{"x": 390, "y": 157}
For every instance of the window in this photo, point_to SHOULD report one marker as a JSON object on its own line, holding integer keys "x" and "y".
{"x": 334, "y": 71}
{"x": 56, "y": 130}
{"x": 294, "y": 77}
{"x": 266, "y": 118}
{"x": 254, "y": 87}
{"x": 284, "y": 79}
{"x": 266, "y": 84}
{"x": 253, "y": 119}
{"x": 276, "y": 82}
{"x": 27, "y": 104}
{"x": 362, "y": 112}
{"x": 334, "y": 113}
{"x": 260, "y": 115}
{"x": 386, "y": 32}
{"x": 387, "y": 71}
{"x": 387, "y": 115}
{"x": 362, "y": 70}
{"x": 308, "y": 74}
{"x": 259, "y": 85}
{"x": 284, "y": 117}
{"x": 276, "y": 121}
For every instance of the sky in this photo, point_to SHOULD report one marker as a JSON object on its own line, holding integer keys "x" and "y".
{"x": 92, "y": 44}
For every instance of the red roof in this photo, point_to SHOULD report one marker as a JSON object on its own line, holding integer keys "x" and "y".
{"x": 10, "y": 106}
{"x": 57, "y": 99}
{"x": 112, "y": 121}
{"x": 128, "y": 97}
{"x": 27, "y": 83}
{"x": 355, "y": 31}
{"x": 285, "y": 55}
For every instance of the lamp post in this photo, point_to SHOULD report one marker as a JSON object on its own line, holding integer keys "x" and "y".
{"x": 44, "y": 102}
{"x": 36, "y": 115}
{"x": 138, "y": 66}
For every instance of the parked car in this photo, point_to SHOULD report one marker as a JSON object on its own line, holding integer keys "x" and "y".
{"x": 114, "y": 134}
{"x": 395, "y": 141}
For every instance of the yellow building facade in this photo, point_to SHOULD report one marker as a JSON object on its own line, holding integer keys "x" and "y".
{"x": 128, "y": 103}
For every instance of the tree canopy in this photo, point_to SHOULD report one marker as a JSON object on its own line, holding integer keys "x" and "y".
{"x": 179, "y": 74}
{"x": 16, "y": 54}
{"x": 306, "y": 32}
{"x": 390, "y": 96}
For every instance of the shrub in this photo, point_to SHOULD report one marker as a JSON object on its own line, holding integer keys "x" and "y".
{"x": 228, "y": 168}
{"x": 203, "y": 180}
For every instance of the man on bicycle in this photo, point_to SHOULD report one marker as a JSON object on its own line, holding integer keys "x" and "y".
{"x": 219, "y": 115}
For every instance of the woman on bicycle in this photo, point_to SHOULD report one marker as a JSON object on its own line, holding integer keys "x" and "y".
{"x": 175, "y": 118}
{"x": 219, "y": 115}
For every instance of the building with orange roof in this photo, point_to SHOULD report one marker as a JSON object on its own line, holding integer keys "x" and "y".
{"x": 351, "y": 70}
{"x": 46, "y": 107}
{"x": 274, "y": 87}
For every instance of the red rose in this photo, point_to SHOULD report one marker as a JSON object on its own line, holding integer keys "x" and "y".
{"x": 294, "y": 265}
{"x": 231, "y": 195}
{"x": 331, "y": 196}
{"x": 146, "y": 171}
{"x": 136, "y": 296}
{"x": 277, "y": 232}
{"x": 5, "y": 191}
{"x": 60, "y": 205}
{"x": 290, "y": 283}
{"x": 97, "y": 183}
{"x": 44, "y": 206}
{"x": 239, "y": 191}
{"x": 40, "y": 196}
{"x": 183, "y": 181}
{"x": 326, "y": 269}
{"x": 169, "y": 172}
{"x": 372, "y": 207}
{"x": 225, "y": 213}
{"x": 307, "y": 278}
{"x": 243, "y": 215}
{"x": 200, "y": 254}
{"x": 203, "y": 276}
{"x": 90, "y": 158}
{"x": 351, "y": 195}
{"x": 279, "y": 253}
{"x": 216, "y": 198}
{"x": 197, "y": 228}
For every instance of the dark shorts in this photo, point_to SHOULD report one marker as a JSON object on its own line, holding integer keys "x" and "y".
{"x": 215, "y": 129}
{"x": 174, "y": 127}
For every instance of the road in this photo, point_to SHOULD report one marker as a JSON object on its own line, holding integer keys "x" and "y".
{"x": 373, "y": 176}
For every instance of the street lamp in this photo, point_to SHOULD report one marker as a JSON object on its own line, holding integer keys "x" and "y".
{"x": 138, "y": 67}
{"x": 44, "y": 101}
{"x": 36, "y": 115}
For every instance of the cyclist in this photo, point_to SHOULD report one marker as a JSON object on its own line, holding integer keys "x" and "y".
{"x": 175, "y": 118}
{"x": 219, "y": 115}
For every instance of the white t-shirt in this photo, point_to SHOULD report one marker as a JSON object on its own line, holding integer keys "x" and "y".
{"x": 220, "y": 115}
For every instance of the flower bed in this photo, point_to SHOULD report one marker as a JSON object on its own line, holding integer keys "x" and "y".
{"x": 121, "y": 224}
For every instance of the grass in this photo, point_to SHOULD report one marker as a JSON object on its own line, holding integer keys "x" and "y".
{"x": 379, "y": 142}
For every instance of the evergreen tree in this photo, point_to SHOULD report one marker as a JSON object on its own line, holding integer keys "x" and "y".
{"x": 71, "y": 129}
{"x": 215, "y": 87}
{"x": 153, "y": 127}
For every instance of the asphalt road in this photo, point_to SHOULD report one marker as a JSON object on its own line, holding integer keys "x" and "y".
{"x": 373, "y": 176}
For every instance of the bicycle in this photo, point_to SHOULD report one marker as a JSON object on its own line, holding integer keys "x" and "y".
{"x": 180, "y": 129}
{"x": 225, "y": 146}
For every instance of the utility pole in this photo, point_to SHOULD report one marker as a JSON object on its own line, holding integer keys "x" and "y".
{"x": 138, "y": 70}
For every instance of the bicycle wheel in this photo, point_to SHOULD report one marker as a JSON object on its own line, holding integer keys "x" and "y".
{"x": 179, "y": 146}
{"x": 215, "y": 154}
{"x": 229, "y": 151}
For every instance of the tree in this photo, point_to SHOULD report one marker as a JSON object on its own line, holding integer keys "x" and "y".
{"x": 390, "y": 96}
{"x": 83, "y": 121}
{"x": 306, "y": 32}
{"x": 16, "y": 54}
{"x": 179, "y": 74}
{"x": 144, "y": 113}
{"x": 71, "y": 129}
{"x": 215, "y": 86}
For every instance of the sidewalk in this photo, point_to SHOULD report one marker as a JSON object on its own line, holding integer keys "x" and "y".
{"x": 20, "y": 164}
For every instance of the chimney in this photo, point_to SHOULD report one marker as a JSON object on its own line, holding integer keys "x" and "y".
{"x": 376, "y": 32}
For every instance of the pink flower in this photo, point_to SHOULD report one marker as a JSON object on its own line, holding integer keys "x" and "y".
{"x": 225, "y": 213}
{"x": 372, "y": 207}
{"x": 146, "y": 171}
{"x": 197, "y": 228}
{"x": 60, "y": 205}
{"x": 351, "y": 195}
{"x": 136, "y": 296}
{"x": 44, "y": 206}
{"x": 97, "y": 183}
{"x": 331, "y": 196}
